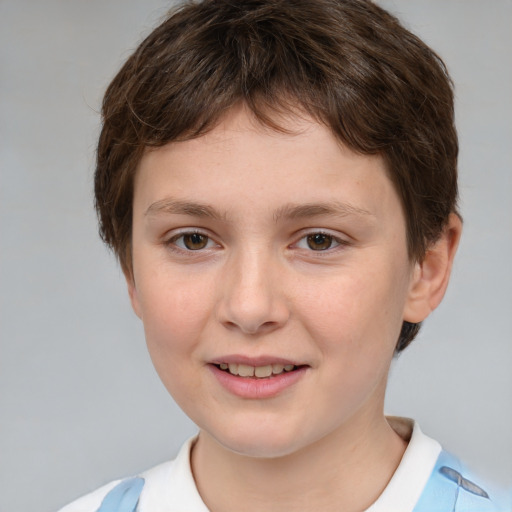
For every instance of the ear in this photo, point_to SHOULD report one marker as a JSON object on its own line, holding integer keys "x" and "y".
{"x": 431, "y": 275}
{"x": 132, "y": 292}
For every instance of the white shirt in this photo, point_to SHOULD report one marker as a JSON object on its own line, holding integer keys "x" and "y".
{"x": 170, "y": 487}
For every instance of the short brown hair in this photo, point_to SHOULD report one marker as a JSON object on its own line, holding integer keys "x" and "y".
{"x": 347, "y": 63}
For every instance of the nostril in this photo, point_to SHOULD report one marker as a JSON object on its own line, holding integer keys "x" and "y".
{"x": 251, "y": 308}
{"x": 251, "y": 329}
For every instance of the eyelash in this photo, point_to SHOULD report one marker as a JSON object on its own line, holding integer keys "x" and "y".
{"x": 339, "y": 242}
{"x": 172, "y": 244}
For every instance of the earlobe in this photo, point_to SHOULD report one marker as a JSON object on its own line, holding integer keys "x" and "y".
{"x": 431, "y": 275}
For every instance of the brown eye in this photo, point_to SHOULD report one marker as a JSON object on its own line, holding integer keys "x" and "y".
{"x": 319, "y": 241}
{"x": 191, "y": 241}
{"x": 195, "y": 241}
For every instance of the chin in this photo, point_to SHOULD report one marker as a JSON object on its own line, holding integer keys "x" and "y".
{"x": 260, "y": 441}
{"x": 258, "y": 448}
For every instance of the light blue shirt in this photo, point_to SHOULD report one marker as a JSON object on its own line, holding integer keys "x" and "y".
{"x": 449, "y": 489}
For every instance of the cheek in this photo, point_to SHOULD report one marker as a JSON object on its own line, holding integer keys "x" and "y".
{"x": 174, "y": 312}
{"x": 359, "y": 313}
{"x": 174, "y": 317}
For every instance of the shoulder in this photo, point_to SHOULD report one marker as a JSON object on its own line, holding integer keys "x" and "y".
{"x": 92, "y": 501}
{"x": 451, "y": 483}
{"x": 141, "y": 485}
{"x": 148, "y": 484}
{"x": 429, "y": 479}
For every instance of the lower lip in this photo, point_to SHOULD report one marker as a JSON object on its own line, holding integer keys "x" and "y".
{"x": 257, "y": 388}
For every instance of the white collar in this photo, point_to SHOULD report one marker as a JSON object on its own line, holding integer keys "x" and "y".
{"x": 171, "y": 486}
{"x": 410, "y": 478}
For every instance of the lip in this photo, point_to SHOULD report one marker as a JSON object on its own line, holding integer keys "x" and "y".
{"x": 257, "y": 388}
{"x": 254, "y": 361}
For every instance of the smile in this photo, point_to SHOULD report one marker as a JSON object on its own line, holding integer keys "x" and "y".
{"x": 260, "y": 380}
{"x": 259, "y": 372}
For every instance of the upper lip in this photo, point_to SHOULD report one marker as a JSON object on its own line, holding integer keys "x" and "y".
{"x": 254, "y": 361}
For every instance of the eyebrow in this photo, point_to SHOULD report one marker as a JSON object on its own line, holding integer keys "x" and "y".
{"x": 331, "y": 209}
{"x": 179, "y": 207}
{"x": 287, "y": 212}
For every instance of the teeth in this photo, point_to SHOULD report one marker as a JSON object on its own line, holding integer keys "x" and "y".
{"x": 277, "y": 368}
{"x": 244, "y": 370}
{"x": 263, "y": 371}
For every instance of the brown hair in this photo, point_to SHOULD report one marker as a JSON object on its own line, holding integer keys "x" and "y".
{"x": 347, "y": 63}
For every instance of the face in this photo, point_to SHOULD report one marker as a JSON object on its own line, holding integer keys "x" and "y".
{"x": 271, "y": 273}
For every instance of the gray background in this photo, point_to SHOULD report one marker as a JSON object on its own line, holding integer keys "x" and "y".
{"x": 79, "y": 401}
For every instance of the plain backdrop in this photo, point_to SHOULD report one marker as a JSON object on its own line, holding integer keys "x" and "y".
{"x": 80, "y": 403}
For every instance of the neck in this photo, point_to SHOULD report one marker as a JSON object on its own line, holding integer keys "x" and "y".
{"x": 346, "y": 470}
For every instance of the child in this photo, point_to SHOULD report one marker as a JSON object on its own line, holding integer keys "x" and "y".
{"x": 278, "y": 180}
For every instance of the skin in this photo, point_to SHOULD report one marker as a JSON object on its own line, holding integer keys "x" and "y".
{"x": 255, "y": 285}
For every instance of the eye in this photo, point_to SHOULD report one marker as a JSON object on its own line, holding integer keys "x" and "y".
{"x": 318, "y": 242}
{"x": 192, "y": 241}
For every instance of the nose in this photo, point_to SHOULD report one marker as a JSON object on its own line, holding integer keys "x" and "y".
{"x": 253, "y": 298}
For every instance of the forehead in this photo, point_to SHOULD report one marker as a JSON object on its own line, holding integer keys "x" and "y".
{"x": 243, "y": 163}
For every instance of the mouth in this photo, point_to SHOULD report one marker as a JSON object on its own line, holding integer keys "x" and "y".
{"x": 257, "y": 378}
{"x": 257, "y": 372}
